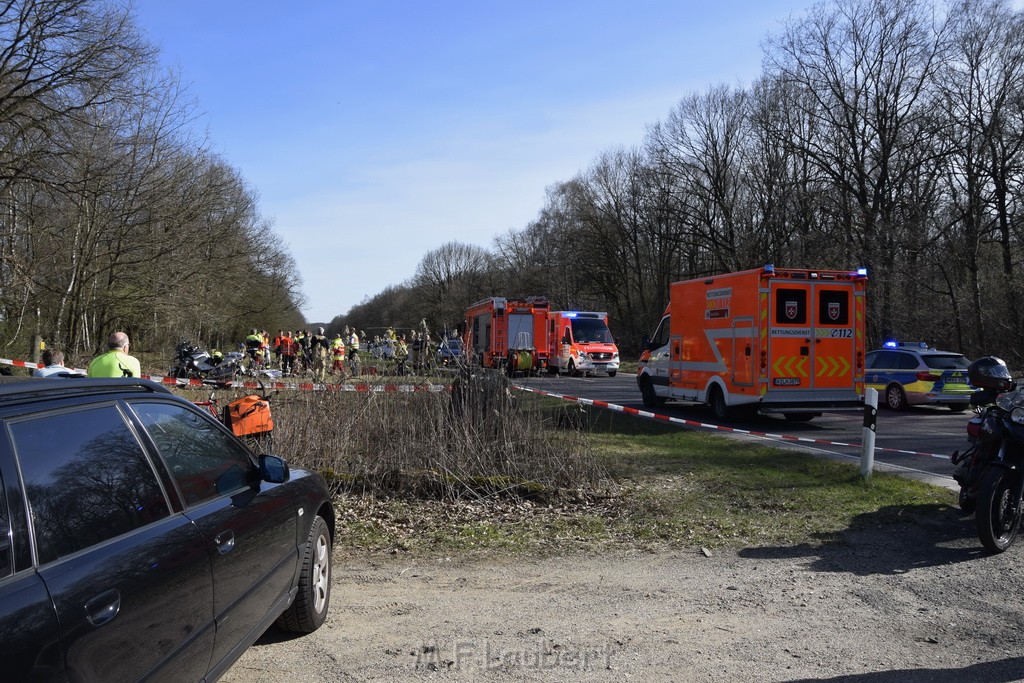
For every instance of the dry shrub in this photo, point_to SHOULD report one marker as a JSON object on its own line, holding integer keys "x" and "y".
{"x": 480, "y": 438}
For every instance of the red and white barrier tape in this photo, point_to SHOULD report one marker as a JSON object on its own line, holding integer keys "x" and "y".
{"x": 707, "y": 425}
{"x": 267, "y": 385}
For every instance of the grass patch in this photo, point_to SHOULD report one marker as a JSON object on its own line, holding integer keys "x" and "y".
{"x": 662, "y": 487}
{"x": 703, "y": 489}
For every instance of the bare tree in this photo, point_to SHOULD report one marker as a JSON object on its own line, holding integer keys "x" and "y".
{"x": 858, "y": 72}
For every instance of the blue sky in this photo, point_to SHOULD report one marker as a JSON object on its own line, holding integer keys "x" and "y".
{"x": 376, "y": 131}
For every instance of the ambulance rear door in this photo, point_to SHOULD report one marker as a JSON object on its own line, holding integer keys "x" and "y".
{"x": 811, "y": 335}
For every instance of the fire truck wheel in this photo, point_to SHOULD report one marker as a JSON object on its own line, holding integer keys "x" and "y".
{"x": 895, "y": 398}
{"x": 718, "y": 405}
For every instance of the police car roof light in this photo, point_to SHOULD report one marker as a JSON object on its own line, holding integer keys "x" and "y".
{"x": 891, "y": 344}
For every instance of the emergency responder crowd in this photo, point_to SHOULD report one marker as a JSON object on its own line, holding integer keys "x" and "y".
{"x": 300, "y": 352}
{"x": 292, "y": 353}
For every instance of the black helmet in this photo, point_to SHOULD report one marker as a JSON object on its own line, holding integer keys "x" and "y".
{"x": 990, "y": 373}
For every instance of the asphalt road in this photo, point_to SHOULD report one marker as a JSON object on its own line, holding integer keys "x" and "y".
{"x": 921, "y": 429}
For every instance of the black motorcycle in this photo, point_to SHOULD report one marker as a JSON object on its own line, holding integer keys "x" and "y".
{"x": 991, "y": 472}
{"x": 192, "y": 362}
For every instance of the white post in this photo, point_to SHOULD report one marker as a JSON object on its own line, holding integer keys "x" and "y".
{"x": 867, "y": 454}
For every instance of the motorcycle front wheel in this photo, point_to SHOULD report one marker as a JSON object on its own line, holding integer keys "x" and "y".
{"x": 997, "y": 519}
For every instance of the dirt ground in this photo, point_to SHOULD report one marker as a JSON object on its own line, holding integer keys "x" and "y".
{"x": 914, "y": 602}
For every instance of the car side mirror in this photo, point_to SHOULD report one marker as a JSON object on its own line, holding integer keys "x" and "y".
{"x": 274, "y": 469}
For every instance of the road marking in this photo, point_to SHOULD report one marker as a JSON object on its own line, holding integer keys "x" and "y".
{"x": 708, "y": 425}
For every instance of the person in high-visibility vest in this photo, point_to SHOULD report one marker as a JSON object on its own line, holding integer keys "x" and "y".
{"x": 353, "y": 350}
{"x": 353, "y": 342}
{"x": 319, "y": 349}
{"x": 277, "y": 347}
{"x": 253, "y": 343}
{"x": 289, "y": 348}
{"x": 338, "y": 354}
{"x": 401, "y": 354}
{"x": 116, "y": 362}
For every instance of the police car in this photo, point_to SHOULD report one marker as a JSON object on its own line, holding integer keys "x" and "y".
{"x": 912, "y": 373}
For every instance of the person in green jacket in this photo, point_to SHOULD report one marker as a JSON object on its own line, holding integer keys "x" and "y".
{"x": 116, "y": 362}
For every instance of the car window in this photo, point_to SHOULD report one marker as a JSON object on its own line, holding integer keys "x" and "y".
{"x": 834, "y": 307}
{"x": 908, "y": 361}
{"x": 951, "y": 361}
{"x": 661, "y": 335}
{"x": 6, "y": 562}
{"x": 791, "y": 306}
{"x": 205, "y": 461}
{"x": 86, "y": 477}
{"x": 871, "y": 359}
{"x": 886, "y": 360}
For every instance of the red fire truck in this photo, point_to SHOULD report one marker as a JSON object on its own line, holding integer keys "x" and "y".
{"x": 508, "y": 333}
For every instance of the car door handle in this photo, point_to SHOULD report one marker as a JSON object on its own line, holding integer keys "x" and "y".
{"x": 225, "y": 541}
{"x": 103, "y": 607}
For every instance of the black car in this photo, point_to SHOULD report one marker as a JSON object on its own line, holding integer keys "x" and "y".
{"x": 142, "y": 539}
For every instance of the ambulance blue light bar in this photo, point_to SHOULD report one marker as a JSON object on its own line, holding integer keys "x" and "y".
{"x": 570, "y": 314}
{"x": 769, "y": 268}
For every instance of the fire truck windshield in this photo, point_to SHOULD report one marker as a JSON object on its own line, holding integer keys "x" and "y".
{"x": 591, "y": 331}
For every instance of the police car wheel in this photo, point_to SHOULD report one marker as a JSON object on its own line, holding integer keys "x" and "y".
{"x": 895, "y": 397}
{"x": 959, "y": 407}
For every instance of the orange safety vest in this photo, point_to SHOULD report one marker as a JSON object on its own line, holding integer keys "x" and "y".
{"x": 289, "y": 347}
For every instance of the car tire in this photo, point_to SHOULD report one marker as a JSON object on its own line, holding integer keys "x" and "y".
{"x": 716, "y": 399}
{"x": 959, "y": 407}
{"x": 573, "y": 372}
{"x": 895, "y": 397}
{"x": 611, "y": 373}
{"x": 799, "y": 417}
{"x": 651, "y": 399}
{"x": 309, "y": 611}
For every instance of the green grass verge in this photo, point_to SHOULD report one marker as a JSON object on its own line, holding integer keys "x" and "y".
{"x": 663, "y": 487}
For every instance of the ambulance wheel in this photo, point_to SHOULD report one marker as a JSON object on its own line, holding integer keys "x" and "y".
{"x": 573, "y": 372}
{"x": 959, "y": 407}
{"x": 552, "y": 369}
{"x": 800, "y": 417}
{"x": 895, "y": 397}
{"x": 651, "y": 399}
{"x": 719, "y": 407}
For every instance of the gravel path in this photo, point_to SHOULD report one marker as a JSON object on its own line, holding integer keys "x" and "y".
{"x": 912, "y": 602}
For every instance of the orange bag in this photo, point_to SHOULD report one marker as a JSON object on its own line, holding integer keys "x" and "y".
{"x": 248, "y": 415}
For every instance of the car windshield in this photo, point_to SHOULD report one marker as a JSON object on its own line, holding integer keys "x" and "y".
{"x": 947, "y": 361}
{"x": 590, "y": 330}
